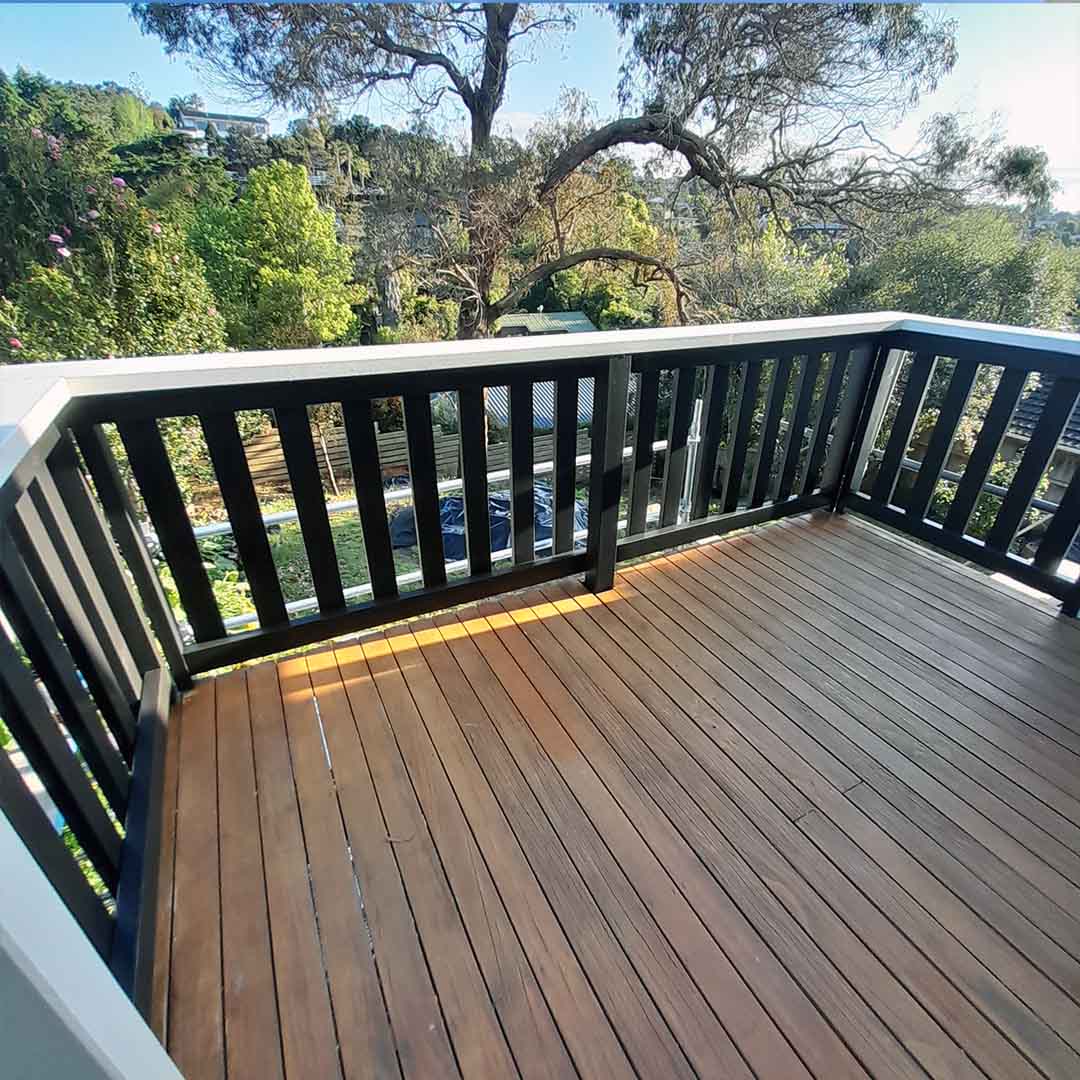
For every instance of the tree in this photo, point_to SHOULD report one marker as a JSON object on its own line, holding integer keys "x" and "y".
{"x": 132, "y": 118}
{"x": 172, "y": 181}
{"x": 125, "y": 284}
{"x": 188, "y": 103}
{"x": 747, "y": 273}
{"x": 57, "y": 148}
{"x": 275, "y": 264}
{"x": 980, "y": 265}
{"x": 769, "y": 101}
{"x": 51, "y": 151}
{"x": 977, "y": 265}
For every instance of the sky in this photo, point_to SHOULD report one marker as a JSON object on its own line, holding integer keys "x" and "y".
{"x": 1018, "y": 62}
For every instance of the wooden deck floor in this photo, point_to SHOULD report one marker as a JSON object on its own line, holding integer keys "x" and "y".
{"x": 803, "y": 802}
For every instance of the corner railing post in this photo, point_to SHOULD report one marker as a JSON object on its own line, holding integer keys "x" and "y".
{"x": 1071, "y": 604}
{"x": 606, "y": 471}
{"x": 883, "y": 369}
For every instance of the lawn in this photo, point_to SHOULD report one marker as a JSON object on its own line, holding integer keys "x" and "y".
{"x": 290, "y": 555}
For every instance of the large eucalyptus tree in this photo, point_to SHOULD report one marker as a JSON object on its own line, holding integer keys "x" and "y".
{"x": 774, "y": 106}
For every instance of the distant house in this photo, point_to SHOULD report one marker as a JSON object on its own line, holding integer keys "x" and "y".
{"x": 539, "y": 323}
{"x": 498, "y": 405}
{"x": 529, "y": 323}
{"x": 196, "y": 123}
{"x": 828, "y": 230}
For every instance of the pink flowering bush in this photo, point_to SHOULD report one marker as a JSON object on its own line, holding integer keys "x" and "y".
{"x": 54, "y": 157}
{"x": 131, "y": 288}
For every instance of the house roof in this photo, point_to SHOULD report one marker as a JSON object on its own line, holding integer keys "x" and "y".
{"x": 1030, "y": 408}
{"x": 498, "y": 404}
{"x": 547, "y": 322}
{"x": 198, "y": 114}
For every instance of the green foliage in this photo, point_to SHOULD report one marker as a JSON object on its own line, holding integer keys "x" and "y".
{"x": 52, "y": 147}
{"x": 132, "y": 118}
{"x": 986, "y": 506}
{"x": 172, "y": 181}
{"x": 1024, "y": 172}
{"x": 598, "y": 208}
{"x": 128, "y": 286}
{"x": 423, "y": 317}
{"x": 977, "y": 265}
{"x": 767, "y": 275}
{"x": 780, "y": 278}
{"x": 611, "y": 303}
{"x": 275, "y": 263}
{"x": 93, "y": 878}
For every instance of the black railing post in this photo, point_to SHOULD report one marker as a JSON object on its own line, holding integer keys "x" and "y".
{"x": 1071, "y": 604}
{"x": 860, "y": 417}
{"x": 606, "y": 471}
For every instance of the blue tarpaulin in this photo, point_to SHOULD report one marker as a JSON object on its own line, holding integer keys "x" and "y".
{"x": 452, "y": 513}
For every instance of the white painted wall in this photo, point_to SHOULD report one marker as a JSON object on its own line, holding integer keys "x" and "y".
{"x": 62, "y": 1014}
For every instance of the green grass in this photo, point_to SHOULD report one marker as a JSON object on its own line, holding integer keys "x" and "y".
{"x": 287, "y": 548}
{"x": 294, "y": 572}
{"x": 290, "y": 555}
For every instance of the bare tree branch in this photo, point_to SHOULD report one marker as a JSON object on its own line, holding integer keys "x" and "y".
{"x": 565, "y": 262}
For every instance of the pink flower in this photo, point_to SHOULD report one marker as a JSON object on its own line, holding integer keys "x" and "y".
{"x": 37, "y": 133}
{"x": 63, "y": 252}
{"x": 212, "y": 312}
{"x": 176, "y": 260}
{"x": 15, "y": 343}
{"x": 90, "y": 189}
{"x": 55, "y": 238}
{"x": 155, "y": 229}
{"x": 118, "y": 183}
{"x": 93, "y": 215}
{"x": 66, "y": 231}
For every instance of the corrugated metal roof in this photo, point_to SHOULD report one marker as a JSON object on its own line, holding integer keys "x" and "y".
{"x": 498, "y": 405}
{"x": 544, "y": 403}
{"x": 1030, "y": 408}
{"x": 198, "y": 114}
{"x": 547, "y": 322}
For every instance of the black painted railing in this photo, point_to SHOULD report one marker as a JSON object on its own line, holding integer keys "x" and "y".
{"x": 927, "y": 386}
{"x": 691, "y": 433}
{"x": 85, "y": 698}
{"x": 742, "y": 395}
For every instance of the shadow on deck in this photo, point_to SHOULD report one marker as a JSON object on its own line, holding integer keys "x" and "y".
{"x": 802, "y": 802}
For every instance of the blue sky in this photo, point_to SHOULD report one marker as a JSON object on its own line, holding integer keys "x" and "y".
{"x": 1019, "y": 61}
